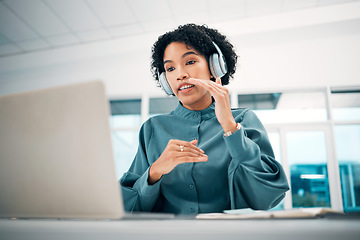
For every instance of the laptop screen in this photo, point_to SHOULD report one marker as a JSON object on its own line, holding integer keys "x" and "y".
{"x": 56, "y": 158}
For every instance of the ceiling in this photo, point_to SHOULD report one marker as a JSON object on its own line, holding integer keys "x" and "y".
{"x": 35, "y": 25}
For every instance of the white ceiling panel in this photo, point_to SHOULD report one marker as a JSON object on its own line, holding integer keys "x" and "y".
{"x": 327, "y": 2}
{"x": 126, "y": 30}
{"x": 225, "y": 12}
{"x": 38, "y": 15}
{"x": 296, "y": 4}
{"x": 112, "y": 12}
{"x": 149, "y": 10}
{"x": 200, "y": 18}
{"x": 216, "y": 4}
{"x": 12, "y": 27}
{"x": 181, "y": 8}
{"x": 8, "y": 49}
{"x": 4, "y": 40}
{"x": 34, "y": 45}
{"x": 68, "y": 11}
{"x": 63, "y": 40}
{"x": 216, "y": 8}
{"x": 262, "y": 7}
{"x": 40, "y": 24}
{"x": 227, "y": 15}
{"x": 94, "y": 35}
{"x": 162, "y": 25}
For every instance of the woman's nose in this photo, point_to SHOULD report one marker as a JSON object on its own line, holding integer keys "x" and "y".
{"x": 182, "y": 75}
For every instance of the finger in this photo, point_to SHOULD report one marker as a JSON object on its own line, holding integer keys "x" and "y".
{"x": 212, "y": 87}
{"x": 216, "y": 92}
{"x": 221, "y": 90}
{"x": 216, "y": 89}
{"x": 187, "y": 145}
{"x": 193, "y": 151}
{"x": 194, "y": 142}
{"x": 185, "y": 159}
{"x": 218, "y": 81}
{"x": 197, "y": 81}
{"x": 200, "y": 82}
{"x": 189, "y": 150}
{"x": 188, "y": 154}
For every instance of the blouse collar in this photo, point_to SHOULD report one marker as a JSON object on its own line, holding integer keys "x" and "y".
{"x": 204, "y": 114}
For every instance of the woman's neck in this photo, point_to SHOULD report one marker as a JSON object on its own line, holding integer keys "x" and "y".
{"x": 205, "y": 102}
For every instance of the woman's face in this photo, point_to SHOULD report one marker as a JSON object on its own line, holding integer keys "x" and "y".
{"x": 182, "y": 62}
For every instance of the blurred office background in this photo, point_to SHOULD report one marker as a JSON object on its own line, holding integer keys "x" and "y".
{"x": 299, "y": 70}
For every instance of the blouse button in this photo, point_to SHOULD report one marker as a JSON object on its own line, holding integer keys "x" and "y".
{"x": 191, "y": 186}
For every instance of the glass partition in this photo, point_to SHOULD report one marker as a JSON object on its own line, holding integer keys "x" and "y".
{"x": 347, "y": 138}
{"x": 308, "y": 168}
{"x": 125, "y": 122}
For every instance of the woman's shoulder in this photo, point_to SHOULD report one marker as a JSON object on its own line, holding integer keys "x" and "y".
{"x": 159, "y": 118}
{"x": 244, "y": 114}
{"x": 240, "y": 111}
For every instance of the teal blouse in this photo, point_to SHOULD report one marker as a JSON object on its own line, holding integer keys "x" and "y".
{"x": 241, "y": 171}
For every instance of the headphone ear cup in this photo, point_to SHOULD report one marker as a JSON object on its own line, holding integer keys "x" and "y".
{"x": 216, "y": 68}
{"x": 165, "y": 84}
{"x": 213, "y": 70}
{"x": 217, "y": 63}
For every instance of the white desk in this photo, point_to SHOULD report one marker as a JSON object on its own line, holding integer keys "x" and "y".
{"x": 305, "y": 229}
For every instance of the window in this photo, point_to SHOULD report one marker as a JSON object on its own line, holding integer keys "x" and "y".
{"x": 125, "y": 122}
{"x": 162, "y": 105}
{"x": 297, "y": 125}
{"x": 287, "y": 107}
{"x": 274, "y": 138}
{"x": 308, "y": 168}
{"x": 346, "y": 114}
{"x": 345, "y": 104}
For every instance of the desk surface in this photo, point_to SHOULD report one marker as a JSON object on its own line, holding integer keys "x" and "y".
{"x": 304, "y": 229}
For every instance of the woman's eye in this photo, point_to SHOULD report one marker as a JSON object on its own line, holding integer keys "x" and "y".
{"x": 190, "y": 62}
{"x": 170, "y": 69}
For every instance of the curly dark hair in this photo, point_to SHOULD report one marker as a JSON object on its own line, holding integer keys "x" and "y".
{"x": 199, "y": 37}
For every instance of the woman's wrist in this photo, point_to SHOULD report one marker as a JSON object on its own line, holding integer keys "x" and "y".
{"x": 230, "y": 132}
{"x": 231, "y": 126}
{"x": 154, "y": 175}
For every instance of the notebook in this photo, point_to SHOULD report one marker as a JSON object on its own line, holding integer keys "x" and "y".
{"x": 56, "y": 158}
{"x": 296, "y": 213}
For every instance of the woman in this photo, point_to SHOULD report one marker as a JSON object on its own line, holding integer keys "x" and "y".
{"x": 203, "y": 156}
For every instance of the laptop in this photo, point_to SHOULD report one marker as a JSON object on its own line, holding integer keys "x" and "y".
{"x": 56, "y": 158}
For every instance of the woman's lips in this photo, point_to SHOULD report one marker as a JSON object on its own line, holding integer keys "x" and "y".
{"x": 185, "y": 87}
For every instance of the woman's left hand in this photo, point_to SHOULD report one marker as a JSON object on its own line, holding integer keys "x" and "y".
{"x": 222, "y": 101}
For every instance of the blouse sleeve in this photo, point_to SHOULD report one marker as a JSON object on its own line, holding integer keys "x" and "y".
{"x": 138, "y": 195}
{"x": 255, "y": 178}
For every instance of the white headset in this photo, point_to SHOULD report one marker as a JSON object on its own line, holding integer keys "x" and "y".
{"x": 218, "y": 68}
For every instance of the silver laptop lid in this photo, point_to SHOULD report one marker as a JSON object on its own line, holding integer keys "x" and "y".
{"x": 56, "y": 158}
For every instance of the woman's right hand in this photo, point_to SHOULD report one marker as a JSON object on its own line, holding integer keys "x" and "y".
{"x": 175, "y": 153}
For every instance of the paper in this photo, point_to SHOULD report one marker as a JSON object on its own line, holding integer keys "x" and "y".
{"x": 252, "y": 214}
